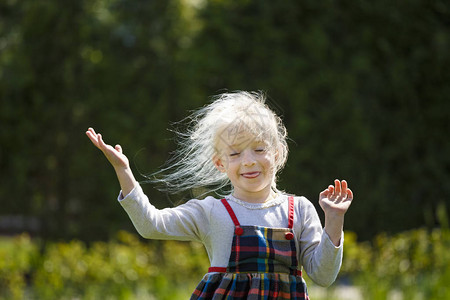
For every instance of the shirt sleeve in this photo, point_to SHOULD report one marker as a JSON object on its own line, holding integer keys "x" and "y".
{"x": 185, "y": 222}
{"x": 320, "y": 258}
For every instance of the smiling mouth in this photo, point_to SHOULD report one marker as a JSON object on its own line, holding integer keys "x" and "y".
{"x": 251, "y": 174}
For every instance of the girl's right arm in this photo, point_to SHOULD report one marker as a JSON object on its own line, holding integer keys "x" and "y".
{"x": 117, "y": 159}
{"x": 179, "y": 223}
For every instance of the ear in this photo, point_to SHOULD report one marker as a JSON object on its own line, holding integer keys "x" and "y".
{"x": 218, "y": 163}
{"x": 275, "y": 153}
{"x": 278, "y": 150}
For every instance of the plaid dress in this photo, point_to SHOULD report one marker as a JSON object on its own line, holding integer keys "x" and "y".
{"x": 262, "y": 265}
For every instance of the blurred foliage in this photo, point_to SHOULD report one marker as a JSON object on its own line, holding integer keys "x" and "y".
{"x": 18, "y": 257}
{"x": 123, "y": 268}
{"x": 413, "y": 264}
{"x": 362, "y": 87}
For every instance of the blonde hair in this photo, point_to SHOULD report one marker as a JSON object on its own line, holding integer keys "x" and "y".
{"x": 192, "y": 164}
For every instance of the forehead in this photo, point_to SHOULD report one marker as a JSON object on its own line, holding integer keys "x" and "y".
{"x": 238, "y": 137}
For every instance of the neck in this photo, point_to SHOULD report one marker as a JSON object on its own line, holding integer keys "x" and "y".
{"x": 261, "y": 197}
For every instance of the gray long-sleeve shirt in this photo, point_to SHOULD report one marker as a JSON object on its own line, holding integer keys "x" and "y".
{"x": 208, "y": 222}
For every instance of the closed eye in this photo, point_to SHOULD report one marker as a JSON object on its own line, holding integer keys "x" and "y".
{"x": 234, "y": 154}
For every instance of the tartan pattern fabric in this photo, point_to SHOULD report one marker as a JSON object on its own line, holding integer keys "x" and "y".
{"x": 252, "y": 286}
{"x": 263, "y": 250}
{"x": 262, "y": 265}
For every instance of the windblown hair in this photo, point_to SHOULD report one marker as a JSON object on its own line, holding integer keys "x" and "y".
{"x": 192, "y": 164}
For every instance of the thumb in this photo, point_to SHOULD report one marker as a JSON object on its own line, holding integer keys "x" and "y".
{"x": 323, "y": 194}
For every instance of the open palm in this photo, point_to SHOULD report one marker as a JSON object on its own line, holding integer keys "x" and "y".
{"x": 336, "y": 199}
{"x": 113, "y": 154}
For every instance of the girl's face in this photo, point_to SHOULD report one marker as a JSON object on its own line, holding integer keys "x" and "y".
{"x": 249, "y": 164}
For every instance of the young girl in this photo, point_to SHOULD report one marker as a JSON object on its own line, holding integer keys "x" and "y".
{"x": 257, "y": 237}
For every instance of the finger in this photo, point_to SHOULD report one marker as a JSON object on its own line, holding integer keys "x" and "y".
{"x": 101, "y": 143}
{"x": 331, "y": 189}
{"x": 92, "y": 137}
{"x": 344, "y": 188}
{"x": 324, "y": 194}
{"x": 349, "y": 194}
{"x": 118, "y": 148}
{"x": 91, "y": 131}
{"x": 337, "y": 186}
{"x": 89, "y": 134}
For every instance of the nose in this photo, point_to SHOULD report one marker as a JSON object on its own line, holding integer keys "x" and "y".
{"x": 248, "y": 159}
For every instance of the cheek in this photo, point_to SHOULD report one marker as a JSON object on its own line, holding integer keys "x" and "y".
{"x": 269, "y": 161}
{"x": 269, "y": 157}
{"x": 233, "y": 164}
{"x": 226, "y": 161}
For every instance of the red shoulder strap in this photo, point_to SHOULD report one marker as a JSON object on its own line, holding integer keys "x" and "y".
{"x": 230, "y": 212}
{"x": 291, "y": 212}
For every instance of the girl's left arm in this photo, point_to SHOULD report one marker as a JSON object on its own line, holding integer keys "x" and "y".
{"x": 335, "y": 201}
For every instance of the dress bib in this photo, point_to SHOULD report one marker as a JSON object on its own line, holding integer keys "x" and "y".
{"x": 262, "y": 265}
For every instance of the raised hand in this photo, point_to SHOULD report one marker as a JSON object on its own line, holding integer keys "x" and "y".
{"x": 117, "y": 159}
{"x": 336, "y": 199}
{"x": 114, "y": 154}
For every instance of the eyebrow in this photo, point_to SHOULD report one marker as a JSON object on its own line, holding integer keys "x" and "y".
{"x": 252, "y": 143}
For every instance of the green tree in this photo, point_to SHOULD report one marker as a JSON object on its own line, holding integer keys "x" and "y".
{"x": 362, "y": 87}
{"x": 69, "y": 65}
